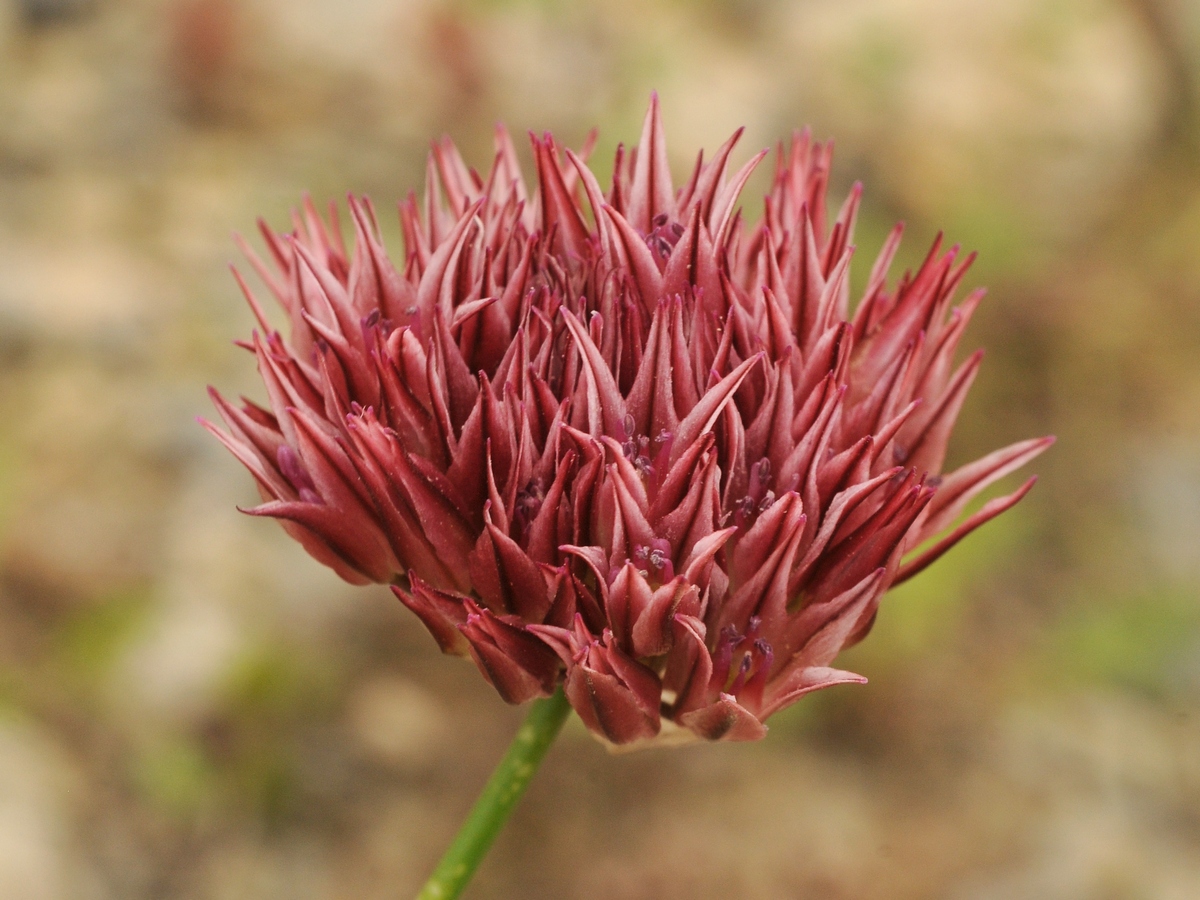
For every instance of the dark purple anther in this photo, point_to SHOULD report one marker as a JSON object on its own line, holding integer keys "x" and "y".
{"x": 664, "y": 235}
{"x": 528, "y": 503}
{"x": 743, "y": 673}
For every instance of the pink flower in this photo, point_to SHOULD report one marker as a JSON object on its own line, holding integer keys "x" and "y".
{"x": 619, "y": 439}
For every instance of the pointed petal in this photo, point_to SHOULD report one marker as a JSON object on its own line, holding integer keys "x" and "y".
{"x": 724, "y": 720}
{"x": 704, "y": 415}
{"x": 515, "y": 662}
{"x": 606, "y": 406}
{"x": 651, "y": 192}
{"x": 442, "y": 612}
{"x": 990, "y": 510}
{"x": 960, "y": 486}
{"x": 793, "y": 684}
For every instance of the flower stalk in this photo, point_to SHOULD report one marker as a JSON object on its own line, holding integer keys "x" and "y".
{"x": 498, "y": 798}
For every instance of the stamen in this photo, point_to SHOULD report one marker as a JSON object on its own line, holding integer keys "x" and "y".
{"x": 629, "y": 425}
{"x": 759, "y": 497}
{"x": 742, "y": 662}
{"x": 657, "y": 560}
{"x": 663, "y": 236}
{"x": 722, "y": 656}
{"x": 756, "y": 684}
{"x": 636, "y": 448}
{"x": 293, "y": 470}
{"x": 743, "y": 673}
{"x": 528, "y": 504}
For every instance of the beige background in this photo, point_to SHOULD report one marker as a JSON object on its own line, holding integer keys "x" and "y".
{"x": 191, "y": 708}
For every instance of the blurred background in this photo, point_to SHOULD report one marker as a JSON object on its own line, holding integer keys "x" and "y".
{"x": 192, "y": 708}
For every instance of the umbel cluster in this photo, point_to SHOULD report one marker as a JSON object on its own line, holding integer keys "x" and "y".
{"x": 618, "y": 438}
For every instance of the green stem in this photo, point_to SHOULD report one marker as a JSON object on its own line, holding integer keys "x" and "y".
{"x": 499, "y": 796}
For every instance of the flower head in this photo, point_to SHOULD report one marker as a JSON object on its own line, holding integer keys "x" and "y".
{"x": 619, "y": 439}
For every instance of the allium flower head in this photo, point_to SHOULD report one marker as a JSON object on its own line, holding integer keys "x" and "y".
{"x": 619, "y": 439}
